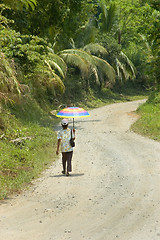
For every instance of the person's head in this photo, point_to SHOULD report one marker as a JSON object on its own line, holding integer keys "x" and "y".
{"x": 64, "y": 123}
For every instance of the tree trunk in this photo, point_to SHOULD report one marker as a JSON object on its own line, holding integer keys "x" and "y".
{"x": 119, "y": 36}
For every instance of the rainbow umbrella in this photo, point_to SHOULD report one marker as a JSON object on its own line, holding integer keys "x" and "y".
{"x": 73, "y": 112}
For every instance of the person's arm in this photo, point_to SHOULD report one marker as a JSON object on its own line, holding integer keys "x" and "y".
{"x": 58, "y": 146}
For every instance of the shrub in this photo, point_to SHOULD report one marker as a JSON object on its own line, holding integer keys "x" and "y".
{"x": 154, "y": 98}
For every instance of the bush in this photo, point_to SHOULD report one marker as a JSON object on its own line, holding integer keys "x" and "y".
{"x": 154, "y": 98}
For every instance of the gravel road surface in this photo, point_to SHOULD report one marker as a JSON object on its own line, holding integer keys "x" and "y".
{"x": 113, "y": 193}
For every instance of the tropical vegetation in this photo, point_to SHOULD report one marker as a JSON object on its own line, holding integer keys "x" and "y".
{"x": 58, "y": 53}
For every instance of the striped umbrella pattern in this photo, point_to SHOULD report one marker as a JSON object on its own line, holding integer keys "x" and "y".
{"x": 73, "y": 112}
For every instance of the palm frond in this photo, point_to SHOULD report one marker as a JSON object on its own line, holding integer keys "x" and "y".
{"x": 107, "y": 16}
{"x": 95, "y": 72}
{"x": 50, "y": 50}
{"x": 118, "y": 67}
{"x": 95, "y": 48}
{"x": 121, "y": 70}
{"x": 55, "y": 66}
{"x": 82, "y": 54}
{"x": 49, "y": 63}
{"x": 59, "y": 61}
{"x": 128, "y": 64}
{"x": 55, "y": 80}
{"x": 75, "y": 60}
{"x": 110, "y": 17}
{"x": 106, "y": 68}
{"x": 103, "y": 14}
{"x": 72, "y": 43}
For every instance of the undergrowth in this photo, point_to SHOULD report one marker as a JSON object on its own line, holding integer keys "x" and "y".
{"x": 149, "y": 122}
{"x": 27, "y": 147}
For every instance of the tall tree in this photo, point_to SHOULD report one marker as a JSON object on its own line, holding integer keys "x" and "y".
{"x": 55, "y": 20}
{"x": 154, "y": 40}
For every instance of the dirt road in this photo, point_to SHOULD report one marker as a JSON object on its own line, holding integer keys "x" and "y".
{"x": 113, "y": 193}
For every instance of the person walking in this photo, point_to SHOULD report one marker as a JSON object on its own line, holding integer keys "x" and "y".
{"x": 64, "y": 137}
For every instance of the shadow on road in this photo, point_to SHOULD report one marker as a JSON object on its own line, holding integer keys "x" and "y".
{"x": 5, "y": 201}
{"x": 71, "y": 175}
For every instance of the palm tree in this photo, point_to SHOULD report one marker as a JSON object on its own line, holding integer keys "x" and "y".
{"x": 124, "y": 68}
{"x": 107, "y": 16}
{"x": 107, "y": 19}
{"x": 89, "y": 64}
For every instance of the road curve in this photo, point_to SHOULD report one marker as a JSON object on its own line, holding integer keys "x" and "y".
{"x": 113, "y": 193}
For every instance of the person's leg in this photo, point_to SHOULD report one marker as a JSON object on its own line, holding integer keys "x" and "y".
{"x": 69, "y": 162}
{"x": 64, "y": 159}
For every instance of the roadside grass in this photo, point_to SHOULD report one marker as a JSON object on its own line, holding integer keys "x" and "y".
{"x": 149, "y": 123}
{"x": 28, "y": 144}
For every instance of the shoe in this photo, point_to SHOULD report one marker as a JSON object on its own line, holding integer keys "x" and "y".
{"x": 63, "y": 172}
{"x": 67, "y": 174}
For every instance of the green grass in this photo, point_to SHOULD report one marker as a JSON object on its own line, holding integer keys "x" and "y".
{"x": 149, "y": 123}
{"x": 23, "y": 160}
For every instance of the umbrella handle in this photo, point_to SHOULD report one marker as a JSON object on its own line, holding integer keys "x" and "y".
{"x": 73, "y": 122}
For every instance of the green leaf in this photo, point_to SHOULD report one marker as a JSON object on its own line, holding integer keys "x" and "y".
{"x": 56, "y": 66}
{"x": 75, "y": 60}
{"x": 106, "y": 68}
{"x": 80, "y": 53}
{"x": 129, "y": 65}
{"x": 95, "y": 48}
{"x": 59, "y": 61}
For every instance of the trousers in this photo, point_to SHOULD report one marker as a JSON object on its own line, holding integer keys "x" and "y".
{"x": 67, "y": 158}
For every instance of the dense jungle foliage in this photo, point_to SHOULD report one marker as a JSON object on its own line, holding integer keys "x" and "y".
{"x": 55, "y": 52}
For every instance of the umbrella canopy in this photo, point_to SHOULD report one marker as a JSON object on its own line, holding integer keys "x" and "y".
{"x": 73, "y": 112}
